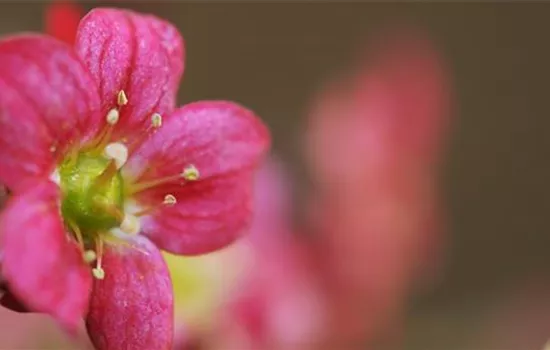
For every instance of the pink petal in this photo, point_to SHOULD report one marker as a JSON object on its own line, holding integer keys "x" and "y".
{"x": 225, "y": 142}
{"x": 140, "y": 54}
{"x": 42, "y": 268}
{"x": 48, "y": 100}
{"x": 207, "y": 217}
{"x": 132, "y": 308}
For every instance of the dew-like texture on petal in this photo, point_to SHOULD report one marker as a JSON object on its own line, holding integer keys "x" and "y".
{"x": 62, "y": 19}
{"x": 225, "y": 142}
{"x": 132, "y": 308}
{"x": 48, "y": 100}
{"x": 43, "y": 269}
{"x": 140, "y": 54}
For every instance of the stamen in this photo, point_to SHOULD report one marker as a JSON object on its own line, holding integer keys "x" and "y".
{"x": 112, "y": 116}
{"x": 156, "y": 122}
{"x": 77, "y": 233}
{"x": 130, "y": 224}
{"x": 55, "y": 177}
{"x": 118, "y": 152}
{"x": 104, "y": 135}
{"x": 109, "y": 209}
{"x": 89, "y": 256}
{"x": 169, "y": 200}
{"x": 190, "y": 173}
{"x": 73, "y": 157}
{"x": 98, "y": 271}
{"x": 107, "y": 174}
{"x": 122, "y": 100}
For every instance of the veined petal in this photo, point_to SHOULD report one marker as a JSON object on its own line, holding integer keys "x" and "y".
{"x": 140, "y": 54}
{"x": 132, "y": 308}
{"x": 219, "y": 138}
{"x": 225, "y": 143}
{"x": 48, "y": 100}
{"x": 208, "y": 216}
{"x": 42, "y": 268}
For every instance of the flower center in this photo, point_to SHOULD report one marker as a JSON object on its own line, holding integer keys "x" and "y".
{"x": 95, "y": 195}
{"x": 91, "y": 200}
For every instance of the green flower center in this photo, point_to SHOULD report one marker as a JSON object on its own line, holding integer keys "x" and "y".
{"x": 93, "y": 194}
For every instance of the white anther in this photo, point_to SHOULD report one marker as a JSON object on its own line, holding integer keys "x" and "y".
{"x": 130, "y": 224}
{"x": 118, "y": 152}
{"x": 170, "y": 200}
{"x": 112, "y": 116}
{"x": 191, "y": 173}
{"x": 98, "y": 273}
{"x": 122, "y": 100}
{"x": 89, "y": 256}
{"x": 156, "y": 120}
{"x": 55, "y": 177}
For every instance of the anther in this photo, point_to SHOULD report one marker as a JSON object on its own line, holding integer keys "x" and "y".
{"x": 89, "y": 256}
{"x": 130, "y": 224}
{"x": 122, "y": 100}
{"x": 98, "y": 273}
{"x": 190, "y": 173}
{"x": 118, "y": 152}
{"x": 55, "y": 177}
{"x": 169, "y": 200}
{"x": 112, "y": 116}
{"x": 156, "y": 120}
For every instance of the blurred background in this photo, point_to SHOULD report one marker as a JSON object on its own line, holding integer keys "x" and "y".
{"x": 492, "y": 290}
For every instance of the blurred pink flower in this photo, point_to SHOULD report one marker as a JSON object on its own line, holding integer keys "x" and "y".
{"x": 273, "y": 302}
{"x": 373, "y": 147}
{"x": 62, "y": 19}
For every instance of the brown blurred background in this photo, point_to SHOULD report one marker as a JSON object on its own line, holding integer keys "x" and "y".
{"x": 273, "y": 56}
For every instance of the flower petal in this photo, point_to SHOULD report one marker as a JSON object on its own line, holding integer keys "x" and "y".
{"x": 48, "y": 100}
{"x": 140, "y": 54}
{"x": 209, "y": 216}
{"x": 132, "y": 307}
{"x": 225, "y": 142}
{"x": 42, "y": 268}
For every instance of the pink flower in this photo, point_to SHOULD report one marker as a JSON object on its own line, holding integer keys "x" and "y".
{"x": 373, "y": 145}
{"x": 257, "y": 294}
{"x": 104, "y": 171}
{"x": 278, "y": 304}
